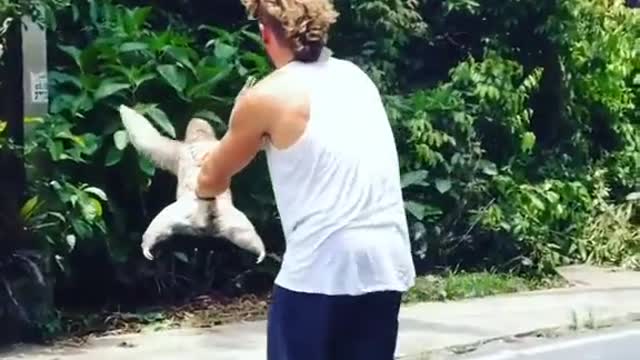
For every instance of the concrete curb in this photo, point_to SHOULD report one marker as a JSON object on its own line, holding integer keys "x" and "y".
{"x": 555, "y": 332}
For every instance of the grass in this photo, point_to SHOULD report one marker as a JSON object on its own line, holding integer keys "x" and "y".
{"x": 202, "y": 312}
{"x": 458, "y": 286}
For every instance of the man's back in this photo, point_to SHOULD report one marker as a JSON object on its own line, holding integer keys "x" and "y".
{"x": 337, "y": 185}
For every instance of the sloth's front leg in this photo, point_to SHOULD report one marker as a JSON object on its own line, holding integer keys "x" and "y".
{"x": 186, "y": 216}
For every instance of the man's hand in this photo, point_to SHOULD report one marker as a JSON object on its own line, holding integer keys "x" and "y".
{"x": 203, "y": 159}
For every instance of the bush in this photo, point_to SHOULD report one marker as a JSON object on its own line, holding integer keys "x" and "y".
{"x": 450, "y": 130}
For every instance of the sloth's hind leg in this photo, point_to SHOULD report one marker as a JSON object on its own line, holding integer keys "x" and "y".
{"x": 233, "y": 225}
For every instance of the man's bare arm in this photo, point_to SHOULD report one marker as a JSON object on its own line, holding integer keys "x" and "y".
{"x": 237, "y": 148}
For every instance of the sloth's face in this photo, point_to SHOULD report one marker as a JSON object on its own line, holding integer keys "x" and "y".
{"x": 199, "y": 129}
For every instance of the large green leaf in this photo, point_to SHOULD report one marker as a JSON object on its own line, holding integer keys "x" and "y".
{"x": 252, "y": 36}
{"x": 443, "y": 185}
{"x": 174, "y": 76}
{"x": 214, "y": 75}
{"x": 140, "y": 79}
{"x": 108, "y": 89}
{"x": 413, "y": 178}
{"x": 56, "y": 77}
{"x": 56, "y": 150}
{"x": 224, "y": 51}
{"x": 146, "y": 165}
{"x": 61, "y": 103}
{"x": 30, "y": 207}
{"x": 74, "y": 53}
{"x": 133, "y": 46}
{"x": 209, "y": 115}
{"x": 89, "y": 142}
{"x": 160, "y": 118}
{"x": 71, "y": 241}
{"x": 182, "y": 55}
{"x": 97, "y": 192}
{"x": 488, "y": 167}
{"x": 113, "y": 156}
{"x": 528, "y": 141}
{"x": 91, "y": 209}
{"x": 121, "y": 139}
{"x": 182, "y": 257}
{"x": 81, "y": 228}
{"x": 535, "y": 201}
{"x": 415, "y": 209}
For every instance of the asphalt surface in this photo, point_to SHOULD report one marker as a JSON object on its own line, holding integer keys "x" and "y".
{"x": 619, "y": 344}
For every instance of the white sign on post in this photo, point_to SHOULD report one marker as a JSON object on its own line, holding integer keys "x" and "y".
{"x": 34, "y": 73}
{"x": 39, "y": 88}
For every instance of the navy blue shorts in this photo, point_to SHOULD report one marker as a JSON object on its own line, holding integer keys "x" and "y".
{"x": 305, "y": 326}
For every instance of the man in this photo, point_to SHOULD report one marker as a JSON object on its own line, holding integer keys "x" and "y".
{"x": 335, "y": 174}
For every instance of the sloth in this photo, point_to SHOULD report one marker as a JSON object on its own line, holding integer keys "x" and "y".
{"x": 188, "y": 215}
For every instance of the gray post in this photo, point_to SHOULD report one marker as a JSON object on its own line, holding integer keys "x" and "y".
{"x": 34, "y": 69}
{"x": 14, "y": 112}
{"x": 25, "y": 92}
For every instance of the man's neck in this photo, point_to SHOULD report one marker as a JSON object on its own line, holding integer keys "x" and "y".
{"x": 282, "y": 60}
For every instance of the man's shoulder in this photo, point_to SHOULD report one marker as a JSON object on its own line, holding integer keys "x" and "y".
{"x": 273, "y": 84}
{"x": 278, "y": 90}
{"x": 350, "y": 72}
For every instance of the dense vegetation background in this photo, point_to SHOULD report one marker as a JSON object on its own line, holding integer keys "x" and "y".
{"x": 518, "y": 125}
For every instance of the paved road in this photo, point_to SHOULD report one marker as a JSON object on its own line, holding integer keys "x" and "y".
{"x": 622, "y": 344}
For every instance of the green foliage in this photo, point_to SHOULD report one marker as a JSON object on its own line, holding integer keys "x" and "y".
{"x": 130, "y": 63}
{"x": 611, "y": 236}
{"x": 383, "y": 28}
{"x": 42, "y": 11}
{"x": 477, "y": 182}
{"x": 3, "y": 134}
{"x": 602, "y": 55}
{"x": 450, "y": 131}
{"x": 600, "y": 52}
{"x": 543, "y": 218}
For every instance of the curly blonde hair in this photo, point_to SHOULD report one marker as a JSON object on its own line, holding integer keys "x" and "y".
{"x": 304, "y": 24}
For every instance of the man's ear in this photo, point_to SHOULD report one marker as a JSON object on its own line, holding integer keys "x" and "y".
{"x": 265, "y": 34}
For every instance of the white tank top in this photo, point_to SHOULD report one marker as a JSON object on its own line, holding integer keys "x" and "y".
{"x": 337, "y": 189}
